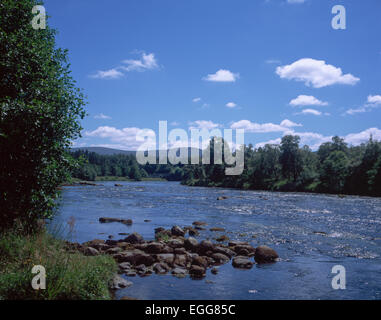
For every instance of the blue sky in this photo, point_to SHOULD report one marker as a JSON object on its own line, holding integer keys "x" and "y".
{"x": 272, "y": 67}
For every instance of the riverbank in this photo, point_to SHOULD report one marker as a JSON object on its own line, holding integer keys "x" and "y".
{"x": 70, "y": 275}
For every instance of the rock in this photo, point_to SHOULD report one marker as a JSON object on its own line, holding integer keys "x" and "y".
{"x": 111, "y": 242}
{"x": 135, "y": 257}
{"x": 89, "y": 251}
{"x": 179, "y": 272}
{"x": 214, "y": 270}
{"x": 244, "y": 250}
{"x": 118, "y": 185}
{"x": 154, "y": 247}
{"x": 118, "y": 283}
{"x": 217, "y": 229}
{"x": 160, "y": 268}
{"x": 197, "y": 271}
{"x": 199, "y": 223}
{"x": 114, "y": 250}
{"x": 130, "y": 273}
{"x": 200, "y": 261}
{"x": 180, "y": 251}
{"x": 220, "y": 258}
{"x": 206, "y": 246}
{"x": 225, "y": 251}
{"x": 123, "y": 233}
{"x": 180, "y": 260}
{"x": 134, "y": 238}
{"x": 222, "y": 238}
{"x": 158, "y": 230}
{"x": 109, "y": 220}
{"x": 175, "y": 243}
{"x": 193, "y": 232}
{"x": 264, "y": 254}
{"x": 93, "y": 243}
{"x": 143, "y": 271}
{"x": 191, "y": 244}
{"x": 222, "y": 198}
{"x": 168, "y": 258}
{"x": 199, "y": 228}
{"x": 111, "y": 236}
{"x": 237, "y": 243}
{"x": 125, "y": 266}
{"x": 242, "y": 262}
{"x": 102, "y": 247}
{"x": 177, "y": 231}
{"x": 147, "y": 220}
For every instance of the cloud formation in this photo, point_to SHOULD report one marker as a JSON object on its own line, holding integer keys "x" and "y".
{"x": 146, "y": 62}
{"x": 315, "y": 73}
{"x": 253, "y": 127}
{"x": 303, "y": 100}
{"x": 372, "y": 103}
{"x": 222, "y": 75}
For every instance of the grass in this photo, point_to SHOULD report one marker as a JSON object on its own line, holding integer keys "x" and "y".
{"x": 68, "y": 275}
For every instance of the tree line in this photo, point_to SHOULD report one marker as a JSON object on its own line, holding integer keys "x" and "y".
{"x": 334, "y": 168}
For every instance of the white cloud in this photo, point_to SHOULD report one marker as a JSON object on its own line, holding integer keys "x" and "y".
{"x": 289, "y": 124}
{"x": 125, "y": 137}
{"x": 315, "y": 73}
{"x": 303, "y": 100}
{"x": 196, "y": 100}
{"x": 108, "y": 74}
{"x": 102, "y": 116}
{"x": 231, "y": 105}
{"x": 363, "y": 136}
{"x": 146, "y": 62}
{"x": 372, "y": 103}
{"x": 311, "y": 111}
{"x": 203, "y": 124}
{"x": 222, "y": 75}
{"x": 314, "y": 140}
{"x": 253, "y": 127}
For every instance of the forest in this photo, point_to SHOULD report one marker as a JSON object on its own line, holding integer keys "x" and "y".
{"x": 334, "y": 168}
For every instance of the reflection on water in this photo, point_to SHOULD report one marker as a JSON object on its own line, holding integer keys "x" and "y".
{"x": 311, "y": 233}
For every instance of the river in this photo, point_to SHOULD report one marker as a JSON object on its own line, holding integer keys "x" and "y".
{"x": 311, "y": 233}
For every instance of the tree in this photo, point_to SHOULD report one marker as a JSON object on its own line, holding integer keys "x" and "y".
{"x": 290, "y": 158}
{"x": 334, "y": 172}
{"x": 40, "y": 110}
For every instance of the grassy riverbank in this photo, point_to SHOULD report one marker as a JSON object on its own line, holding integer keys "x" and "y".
{"x": 69, "y": 275}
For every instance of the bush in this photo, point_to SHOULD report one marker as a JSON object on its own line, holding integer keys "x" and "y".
{"x": 68, "y": 275}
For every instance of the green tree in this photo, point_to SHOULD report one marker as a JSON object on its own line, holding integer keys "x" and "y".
{"x": 290, "y": 158}
{"x": 40, "y": 109}
{"x": 334, "y": 172}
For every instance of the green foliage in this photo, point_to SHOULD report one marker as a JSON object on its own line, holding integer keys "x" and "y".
{"x": 334, "y": 168}
{"x": 40, "y": 109}
{"x": 68, "y": 275}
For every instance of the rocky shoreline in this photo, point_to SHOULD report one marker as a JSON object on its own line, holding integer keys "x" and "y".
{"x": 173, "y": 251}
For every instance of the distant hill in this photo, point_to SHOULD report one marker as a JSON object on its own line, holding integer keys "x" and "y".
{"x": 104, "y": 151}
{"x": 108, "y": 151}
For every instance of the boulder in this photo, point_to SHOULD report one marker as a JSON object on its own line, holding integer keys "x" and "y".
{"x": 125, "y": 266}
{"x": 222, "y": 198}
{"x": 200, "y": 261}
{"x": 154, "y": 247}
{"x": 175, "y": 243}
{"x": 225, "y": 251}
{"x": 199, "y": 223}
{"x": 114, "y": 250}
{"x": 161, "y": 268}
{"x": 222, "y": 238}
{"x": 264, "y": 254}
{"x": 220, "y": 258}
{"x": 118, "y": 283}
{"x": 177, "y": 231}
{"x": 93, "y": 243}
{"x": 179, "y": 272}
{"x": 244, "y": 250}
{"x": 191, "y": 244}
{"x": 135, "y": 257}
{"x": 206, "y": 246}
{"x": 180, "y": 251}
{"x": 197, "y": 271}
{"x": 214, "y": 270}
{"x": 193, "y": 232}
{"x": 134, "y": 238}
{"x": 89, "y": 251}
{"x": 167, "y": 258}
{"x": 242, "y": 262}
{"x": 180, "y": 260}
{"x": 234, "y": 243}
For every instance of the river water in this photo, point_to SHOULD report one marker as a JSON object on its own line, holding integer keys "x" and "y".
{"x": 311, "y": 233}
